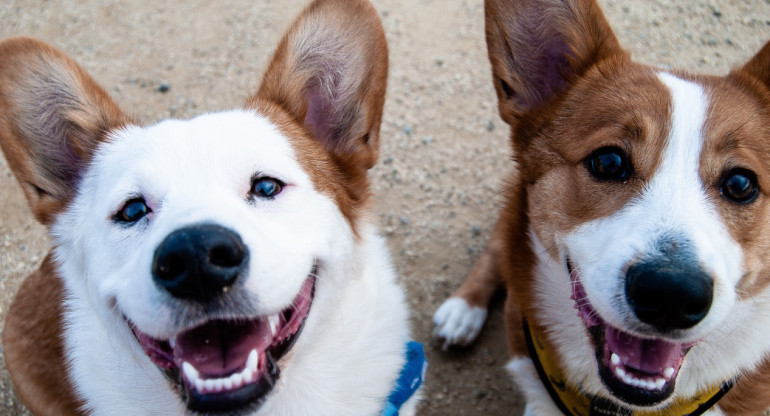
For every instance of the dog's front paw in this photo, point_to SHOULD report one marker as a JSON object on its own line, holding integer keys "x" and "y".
{"x": 457, "y": 322}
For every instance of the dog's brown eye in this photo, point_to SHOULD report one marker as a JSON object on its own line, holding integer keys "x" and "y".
{"x": 266, "y": 188}
{"x": 740, "y": 185}
{"x": 132, "y": 211}
{"x": 608, "y": 164}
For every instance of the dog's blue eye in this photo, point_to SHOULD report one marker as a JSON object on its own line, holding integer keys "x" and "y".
{"x": 265, "y": 187}
{"x": 608, "y": 164}
{"x": 740, "y": 185}
{"x": 132, "y": 211}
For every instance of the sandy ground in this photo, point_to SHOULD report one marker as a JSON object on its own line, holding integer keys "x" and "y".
{"x": 444, "y": 148}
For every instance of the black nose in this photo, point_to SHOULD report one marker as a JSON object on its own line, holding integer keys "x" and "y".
{"x": 199, "y": 262}
{"x": 669, "y": 293}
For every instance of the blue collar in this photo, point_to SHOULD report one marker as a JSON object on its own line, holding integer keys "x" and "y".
{"x": 410, "y": 379}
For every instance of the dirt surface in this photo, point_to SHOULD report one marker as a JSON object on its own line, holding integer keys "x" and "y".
{"x": 444, "y": 149}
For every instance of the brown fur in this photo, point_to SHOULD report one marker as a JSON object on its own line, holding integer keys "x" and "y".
{"x": 516, "y": 40}
{"x": 79, "y": 114}
{"x": 479, "y": 287}
{"x": 749, "y": 396}
{"x": 738, "y": 135}
{"x": 54, "y": 116}
{"x": 69, "y": 107}
{"x": 606, "y": 100}
{"x": 300, "y": 68}
{"x": 34, "y": 326}
{"x": 326, "y": 175}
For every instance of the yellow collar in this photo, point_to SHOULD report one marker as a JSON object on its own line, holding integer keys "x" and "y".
{"x": 573, "y": 402}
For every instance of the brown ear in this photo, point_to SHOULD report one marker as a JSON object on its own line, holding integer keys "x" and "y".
{"x": 330, "y": 73}
{"x": 538, "y": 48}
{"x": 759, "y": 66}
{"x": 52, "y": 116}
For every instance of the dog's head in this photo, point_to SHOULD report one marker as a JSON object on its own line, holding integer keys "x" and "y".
{"x": 206, "y": 244}
{"x": 647, "y": 200}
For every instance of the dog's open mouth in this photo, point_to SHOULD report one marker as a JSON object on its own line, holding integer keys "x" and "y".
{"x": 227, "y": 365}
{"x": 639, "y": 371}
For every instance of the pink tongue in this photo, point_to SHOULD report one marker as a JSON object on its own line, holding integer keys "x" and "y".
{"x": 645, "y": 355}
{"x": 219, "y": 348}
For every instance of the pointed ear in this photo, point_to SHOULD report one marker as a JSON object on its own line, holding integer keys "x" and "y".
{"x": 759, "y": 66}
{"x": 538, "y": 48}
{"x": 52, "y": 116}
{"x": 329, "y": 73}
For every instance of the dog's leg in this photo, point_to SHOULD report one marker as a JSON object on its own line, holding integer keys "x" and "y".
{"x": 460, "y": 318}
{"x": 538, "y": 400}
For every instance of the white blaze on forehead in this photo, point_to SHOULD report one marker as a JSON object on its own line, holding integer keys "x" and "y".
{"x": 674, "y": 205}
{"x": 680, "y": 161}
{"x": 679, "y": 191}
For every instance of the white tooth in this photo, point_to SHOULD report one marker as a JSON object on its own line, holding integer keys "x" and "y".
{"x": 253, "y": 361}
{"x": 615, "y": 359}
{"x": 668, "y": 373}
{"x": 190, "y": 372}
{"x": 237, "y": 379}
{"x": 273, "y": 321}
{"x": 649, "y": 385}
{"x": 218, "y": 384}
{"x": 628, "y": 380}
{"x": 660, "y": 383}
{"x": 172, "y": 342}
{"x": 620, "y": 373}
{"x": 199, "y": 385}
{"x": 208, "y": 385}
{"x": 248, "y": 376}
{"x": 228, "y": 383}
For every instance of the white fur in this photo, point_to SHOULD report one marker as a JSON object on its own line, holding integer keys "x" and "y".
{"x": 674, "y": 202}
{"x": 733, "y": 334}
{"x": 538, "y": 399}
{"x": 566, "y": 331}
{"x": 346, "y": 360}
{"x": 714, "y": 411}
{"x": 457, "y": 322}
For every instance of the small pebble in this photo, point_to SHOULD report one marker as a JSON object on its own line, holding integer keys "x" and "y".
{"x": 163, "y": 88}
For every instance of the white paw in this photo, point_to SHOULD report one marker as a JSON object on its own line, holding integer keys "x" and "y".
{"x": 458, "y": 323}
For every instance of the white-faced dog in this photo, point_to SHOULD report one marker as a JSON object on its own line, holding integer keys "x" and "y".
{"x": 225, "y": 264}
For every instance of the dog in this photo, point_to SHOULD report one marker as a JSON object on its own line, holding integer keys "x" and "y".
{"x": 634, "y": 236}
{"x": 226, "y": 264}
